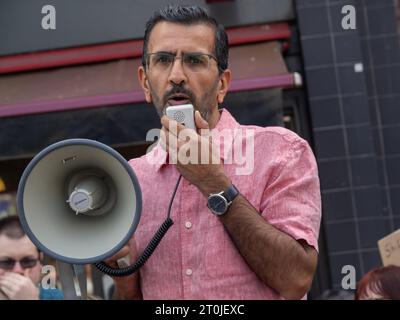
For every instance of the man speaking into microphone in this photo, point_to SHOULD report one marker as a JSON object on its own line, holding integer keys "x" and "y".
{"x": 236, "y": 234}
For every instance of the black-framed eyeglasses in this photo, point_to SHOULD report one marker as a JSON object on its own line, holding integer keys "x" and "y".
{"x": 196, "y": 62}
{"x": 25, "y": 263}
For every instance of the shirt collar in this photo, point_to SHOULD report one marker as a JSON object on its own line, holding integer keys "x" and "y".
{"x": 159, "y": 156}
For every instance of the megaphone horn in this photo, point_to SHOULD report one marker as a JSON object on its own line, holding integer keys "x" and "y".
{"x": 79, "y": 201}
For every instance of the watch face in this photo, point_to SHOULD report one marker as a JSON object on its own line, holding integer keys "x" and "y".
{"x": 217, "y": 204}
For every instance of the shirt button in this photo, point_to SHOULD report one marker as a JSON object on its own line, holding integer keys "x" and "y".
{"x": 189, "y": 272}
{"x": 188, "y": 224}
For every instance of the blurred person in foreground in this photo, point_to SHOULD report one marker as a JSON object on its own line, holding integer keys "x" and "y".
{"x": 20, "y": 266}
{"x": 381, "y": 283}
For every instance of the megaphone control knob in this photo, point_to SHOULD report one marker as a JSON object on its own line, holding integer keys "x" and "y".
{"x": 80, "y": 201}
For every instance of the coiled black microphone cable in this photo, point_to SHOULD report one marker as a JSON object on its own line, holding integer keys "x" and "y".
{"x": 116, "y": 272}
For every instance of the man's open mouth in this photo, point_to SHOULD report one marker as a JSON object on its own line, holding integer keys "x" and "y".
{"x": 178, "y": 99}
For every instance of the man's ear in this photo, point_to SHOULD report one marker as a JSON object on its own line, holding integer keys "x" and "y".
{"x": 224, "y": 82}
{"x": 144, "y": 82}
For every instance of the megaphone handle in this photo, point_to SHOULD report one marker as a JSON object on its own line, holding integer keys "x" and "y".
{"x": 73, "y": 281}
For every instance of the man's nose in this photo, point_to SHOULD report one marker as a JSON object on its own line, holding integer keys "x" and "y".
{"x": 177, "y": 74}
{"x": 17, "y": 268}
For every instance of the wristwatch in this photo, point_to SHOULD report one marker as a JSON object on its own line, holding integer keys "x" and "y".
{"x": 219, "y": 203}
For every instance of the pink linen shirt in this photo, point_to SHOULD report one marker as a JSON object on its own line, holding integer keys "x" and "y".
{"x": 197, "y": 259}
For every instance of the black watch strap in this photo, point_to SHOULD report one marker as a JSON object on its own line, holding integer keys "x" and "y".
{"x": 231, "y": 193}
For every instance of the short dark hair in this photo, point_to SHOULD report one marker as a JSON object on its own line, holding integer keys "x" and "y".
{"x": 190, "y": 15}
{"x": 11, "y": 227}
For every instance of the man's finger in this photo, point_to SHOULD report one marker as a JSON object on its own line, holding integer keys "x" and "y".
{"x": 7, "y": 283}
{"x": 172, "y": 126}
{"x": 13, "y": 277}
{"x": 7, "y": 291}
{"x": 120, "y": 254}
{"x": 165, "y": 121}
{"x": 169, "y": 140}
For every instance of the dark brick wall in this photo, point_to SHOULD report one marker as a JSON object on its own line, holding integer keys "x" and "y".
{"x": 352, "y": 79}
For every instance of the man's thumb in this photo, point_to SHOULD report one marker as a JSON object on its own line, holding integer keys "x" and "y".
{"x": 200, "y": 122}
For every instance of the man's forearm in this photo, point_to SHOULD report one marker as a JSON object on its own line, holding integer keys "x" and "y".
{"x": 280, "y": 261}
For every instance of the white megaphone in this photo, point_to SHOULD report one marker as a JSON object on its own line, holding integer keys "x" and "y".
{"x": 79, "y": 202}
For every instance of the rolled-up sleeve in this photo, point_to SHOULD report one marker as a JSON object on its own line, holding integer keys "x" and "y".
{"x": 291, "y": 201}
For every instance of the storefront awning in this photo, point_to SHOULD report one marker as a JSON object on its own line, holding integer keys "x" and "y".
{"x": 126, "y": 49}
{"x": 254, "y": 66}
